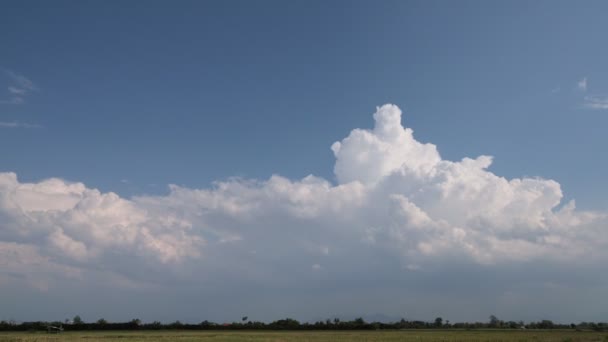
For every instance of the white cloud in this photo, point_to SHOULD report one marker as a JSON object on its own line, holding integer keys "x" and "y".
{"x": 17, "y": 91}
{"x": 80, "y": 223}
{"x": 15, "y": 124}
{"x": 592, "y": 101}
{"x": 596, "y": 102}
{"x": 23, "y": 263}
{"x": 13, "y": 100}
{"x": 19, "y": 87}
{"x": 582, "y": 84}
{"x": 397, "y": 201}
{"x": 371, "y": 156}
{"x": 418, "y": 203}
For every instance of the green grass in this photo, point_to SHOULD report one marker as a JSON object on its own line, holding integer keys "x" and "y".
{"x": 304, "y": 336}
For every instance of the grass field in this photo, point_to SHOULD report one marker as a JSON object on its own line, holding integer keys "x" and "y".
{"x": 302, "y": 336}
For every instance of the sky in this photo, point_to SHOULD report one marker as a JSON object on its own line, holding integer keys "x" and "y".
{"x": 307, "y": 159}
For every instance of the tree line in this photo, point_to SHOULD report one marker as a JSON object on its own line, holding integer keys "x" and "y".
{"x": 77, "y": 324}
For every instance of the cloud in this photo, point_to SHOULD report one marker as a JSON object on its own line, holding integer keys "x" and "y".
{"x": 24, "y": 263}
{"x": 73, "y": 223}
{"x": 18, "y": 87}
{"x": 592, "y": 101}
{"x": 398, "y": 210}
{"x": 582, "y": 84}
{"x": 17, "y": 91}
{"x": 15, "y": 124}
{"x": 13, "y": 100}
{"x": 596, "y": 102}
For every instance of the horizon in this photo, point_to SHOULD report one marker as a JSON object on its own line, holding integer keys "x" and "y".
{"x": 336, "y": 319}
{"x": 209, "y": 160}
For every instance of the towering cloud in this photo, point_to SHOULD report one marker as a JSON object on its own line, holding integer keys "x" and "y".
{"x": 397, "y": 204}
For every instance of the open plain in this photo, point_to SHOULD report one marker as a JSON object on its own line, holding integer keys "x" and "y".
{"x": 320, "y": 336}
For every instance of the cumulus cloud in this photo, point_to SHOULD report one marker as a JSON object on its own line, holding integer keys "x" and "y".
{"x": 398, "y": 206}
{"x": 23, "y": 263}
{"x": 370, "y": 156}
{"x": 69, "y": 220}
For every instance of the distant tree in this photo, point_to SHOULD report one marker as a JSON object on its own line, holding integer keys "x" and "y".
{"x": 546, "y": 324}
{"x": 438, "y": 322}
{"x": 77, "y": 320}
{"x": 135, "y": 323}
{"x": 494, "y": 321}
{"x": 206, "y": 324}
{"x": 102, "y": 321}
{"x": 287, "y": 323}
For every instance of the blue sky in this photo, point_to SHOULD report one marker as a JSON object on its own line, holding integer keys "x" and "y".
{"x": 131, "y": 97}
{"x": 189, "y": 94}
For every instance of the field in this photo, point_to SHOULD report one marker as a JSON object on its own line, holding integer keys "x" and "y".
{"x": 305, "y": 336}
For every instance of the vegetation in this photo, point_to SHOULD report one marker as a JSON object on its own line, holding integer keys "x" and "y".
{"x": 320, "y": 336}
{"x": 77, "y": 324}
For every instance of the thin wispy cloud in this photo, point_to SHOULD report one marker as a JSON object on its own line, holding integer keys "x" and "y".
{"x": 17, "y": 91}
{"x": 582, "y": 84}
{"x": 596, "y": 102}
{"x": 18, "y": 87}
{"x": 591, "y": 101}
{"x": 13, "y": 100}
{"x": 15, "y": 124}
